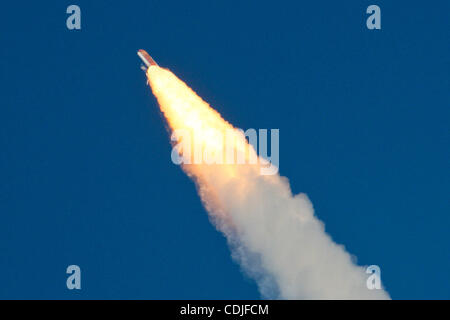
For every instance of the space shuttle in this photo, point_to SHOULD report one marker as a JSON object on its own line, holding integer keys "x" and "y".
{"x": 145, "y": 57}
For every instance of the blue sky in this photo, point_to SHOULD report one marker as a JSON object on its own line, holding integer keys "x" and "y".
{"x": 85, "y": 170}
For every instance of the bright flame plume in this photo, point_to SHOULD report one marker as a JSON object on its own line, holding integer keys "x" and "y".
{"x": 273, "y": 234}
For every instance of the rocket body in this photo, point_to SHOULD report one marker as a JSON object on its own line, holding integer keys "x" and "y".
{"x": 145, "y": 57}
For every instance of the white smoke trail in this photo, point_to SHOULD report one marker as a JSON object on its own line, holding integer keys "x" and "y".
{"x": 273, "y": 234}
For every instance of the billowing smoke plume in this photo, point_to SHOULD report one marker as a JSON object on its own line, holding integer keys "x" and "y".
{"x": 272, "y": 233}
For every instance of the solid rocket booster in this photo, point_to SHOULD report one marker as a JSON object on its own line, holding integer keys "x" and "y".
{"x": 145, "y": 57}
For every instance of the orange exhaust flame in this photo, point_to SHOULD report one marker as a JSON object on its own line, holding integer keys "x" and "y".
{"x": 273, "y": 234}
{"x": 185, "y": 111}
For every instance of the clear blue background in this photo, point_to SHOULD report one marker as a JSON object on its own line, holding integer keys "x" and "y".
{"x": 85, "y": 170}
